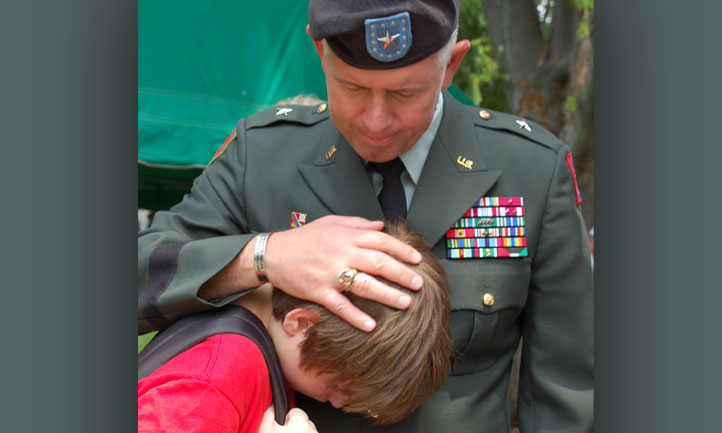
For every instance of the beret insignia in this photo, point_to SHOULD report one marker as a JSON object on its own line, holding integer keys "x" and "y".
{"x": 389, "y": 38}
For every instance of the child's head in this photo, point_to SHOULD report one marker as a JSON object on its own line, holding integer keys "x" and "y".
{"x": 388, "y": 373}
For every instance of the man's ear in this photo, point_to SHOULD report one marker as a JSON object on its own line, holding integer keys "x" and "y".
{"x": 298, "y": 320}
{"x": 457, "y": 55}
{"x": 317, "y": 44}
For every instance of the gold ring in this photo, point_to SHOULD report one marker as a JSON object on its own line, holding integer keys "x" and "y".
{"x": 347, "y": 278}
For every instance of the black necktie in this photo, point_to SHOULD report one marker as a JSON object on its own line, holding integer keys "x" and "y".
{"x": 392, "y": 197}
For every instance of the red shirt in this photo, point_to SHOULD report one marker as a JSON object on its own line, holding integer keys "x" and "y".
{"x": 219, "y": 385}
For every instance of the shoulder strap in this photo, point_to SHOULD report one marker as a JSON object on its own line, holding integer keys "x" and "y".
{"x": 299, "y": 114}
{"x": 230, "y": 319}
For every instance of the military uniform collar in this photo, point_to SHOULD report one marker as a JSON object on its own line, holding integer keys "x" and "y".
{"x": 415, "y": 157}
{"x": 454, "y": 175}
{"x": 338, "y": 177}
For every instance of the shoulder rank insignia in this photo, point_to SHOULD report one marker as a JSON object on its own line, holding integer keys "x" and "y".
{"x": 298, "y": 219}
{"x": 388, "y": 38}
{"x": 523, "y": 125}
{"x": 492, "y": 228}
{"x": 224, "y": 146}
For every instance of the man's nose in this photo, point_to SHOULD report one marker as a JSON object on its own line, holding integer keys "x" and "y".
{"x": 377, "y": 114}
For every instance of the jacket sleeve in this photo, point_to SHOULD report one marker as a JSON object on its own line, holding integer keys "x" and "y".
{"x": 187, "y": 245}
{"x": 556, "y": 377}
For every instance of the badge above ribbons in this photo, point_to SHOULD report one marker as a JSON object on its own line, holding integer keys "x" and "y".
{"x": 389, "y": 38}
{"x": 492, "y": 228}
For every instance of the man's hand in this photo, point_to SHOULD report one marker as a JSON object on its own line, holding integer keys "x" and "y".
{"x": 296, "y": 422}
{"x": 305, "y": 262}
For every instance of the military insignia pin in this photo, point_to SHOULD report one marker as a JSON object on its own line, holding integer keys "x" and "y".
{"x": 330, "y": 152}
{"x": 389, "y": 38}
{"x": 298, "y": 219}
{"x": 462, "y": 161}
{"x": 492, "y": 228}
{"x": 523, "y": 125}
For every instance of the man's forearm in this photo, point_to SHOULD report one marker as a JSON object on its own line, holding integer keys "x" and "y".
{"x": 236, "y": 277}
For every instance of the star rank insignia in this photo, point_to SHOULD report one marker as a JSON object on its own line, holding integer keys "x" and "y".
{"x": 523, "y": 125}
{"x": 298, "y": 219}
{"x": 492, "y": 228}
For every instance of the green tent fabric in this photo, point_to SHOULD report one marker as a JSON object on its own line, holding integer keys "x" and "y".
{"x": 201, "y": 67}
{"x": 204, "y": 65}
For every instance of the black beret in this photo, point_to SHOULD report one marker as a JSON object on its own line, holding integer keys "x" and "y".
{"x": 383, "y": 34}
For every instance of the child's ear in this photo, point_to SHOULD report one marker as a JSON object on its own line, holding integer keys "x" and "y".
{"x": 298, "y": 321}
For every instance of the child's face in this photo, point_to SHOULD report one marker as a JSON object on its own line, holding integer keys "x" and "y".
{"x": 318, "y": 387}
{"x": 287, "y": 339}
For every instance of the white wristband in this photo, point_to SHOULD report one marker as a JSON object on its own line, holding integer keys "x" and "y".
{"x": 259, "y": 253}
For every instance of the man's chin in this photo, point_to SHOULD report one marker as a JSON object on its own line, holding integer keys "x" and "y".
{"x": 374, "y": 153}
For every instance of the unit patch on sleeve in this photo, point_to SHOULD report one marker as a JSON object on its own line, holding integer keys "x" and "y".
{"x": 224, "y": 146}
{"x": 492, "y": 228}
{"x": 570, "y": 163}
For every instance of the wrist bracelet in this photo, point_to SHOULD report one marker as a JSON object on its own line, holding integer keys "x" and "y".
{"x": 259, "y": 253}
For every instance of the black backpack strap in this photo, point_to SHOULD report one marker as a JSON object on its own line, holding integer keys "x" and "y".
{"x": 230, "y": 319}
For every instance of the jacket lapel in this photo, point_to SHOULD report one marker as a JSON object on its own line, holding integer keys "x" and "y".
{"x": 341, "y": 181}
{"x": 447, "y": 187}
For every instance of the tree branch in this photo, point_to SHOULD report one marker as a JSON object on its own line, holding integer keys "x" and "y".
{"x": 514, "y": 25}
{"x": 565, "y": 19}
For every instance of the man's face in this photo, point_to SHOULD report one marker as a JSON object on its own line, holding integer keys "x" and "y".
{"x": 382, "y": 113}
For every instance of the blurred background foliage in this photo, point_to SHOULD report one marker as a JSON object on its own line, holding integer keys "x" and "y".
{"x": 479, "y": 76}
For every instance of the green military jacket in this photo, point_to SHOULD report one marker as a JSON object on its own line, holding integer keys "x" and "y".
{"x": 275, "y": 165}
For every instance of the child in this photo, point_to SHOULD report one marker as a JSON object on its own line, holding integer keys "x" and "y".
{"x": 222, "y": 383}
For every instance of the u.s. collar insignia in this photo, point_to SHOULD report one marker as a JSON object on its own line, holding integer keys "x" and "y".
{"x": 389, "y": 38}
{"x": 492, "y": 228}
{"x": 298, "y": 219}
{"x": 462, "y": 161}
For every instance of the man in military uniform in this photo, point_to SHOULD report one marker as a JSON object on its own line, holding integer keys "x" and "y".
{"x": 296, "y": 195}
